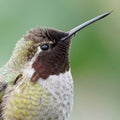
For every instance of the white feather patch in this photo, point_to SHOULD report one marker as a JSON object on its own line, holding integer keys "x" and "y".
{"x": 28, "y": 71}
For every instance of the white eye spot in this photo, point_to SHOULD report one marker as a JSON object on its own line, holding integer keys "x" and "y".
{"x": 39, "y": 50}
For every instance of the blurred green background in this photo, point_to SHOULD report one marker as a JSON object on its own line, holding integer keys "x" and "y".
{"x": 95, "y": 51}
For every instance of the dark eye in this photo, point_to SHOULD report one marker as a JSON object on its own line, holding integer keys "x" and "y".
{"x": 44, "y": 47}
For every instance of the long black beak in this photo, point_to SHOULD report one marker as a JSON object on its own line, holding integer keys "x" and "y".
{"x": 78, "y": 28}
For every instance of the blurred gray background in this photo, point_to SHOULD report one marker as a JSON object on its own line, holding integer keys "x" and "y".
{"x": 95, "y": 51}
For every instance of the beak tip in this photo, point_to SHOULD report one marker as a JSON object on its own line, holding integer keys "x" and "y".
{"x": 108, "y": 13}
{"x": 78, "y": 28}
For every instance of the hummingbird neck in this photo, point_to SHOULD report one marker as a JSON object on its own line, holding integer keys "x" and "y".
{"x": 19, "y": 55}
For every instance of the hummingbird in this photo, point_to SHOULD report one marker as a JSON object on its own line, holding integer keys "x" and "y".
{"x": 36, "y": 83}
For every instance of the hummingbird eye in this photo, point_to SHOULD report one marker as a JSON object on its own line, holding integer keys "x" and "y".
{"x": 44, "y": 47}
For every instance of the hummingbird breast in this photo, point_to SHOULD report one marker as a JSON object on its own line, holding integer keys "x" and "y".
{"x": 49, "y": 99}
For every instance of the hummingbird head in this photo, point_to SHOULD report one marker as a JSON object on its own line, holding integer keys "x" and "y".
{"x": 45, "y": 51}
{"x": 50, "y": 52}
